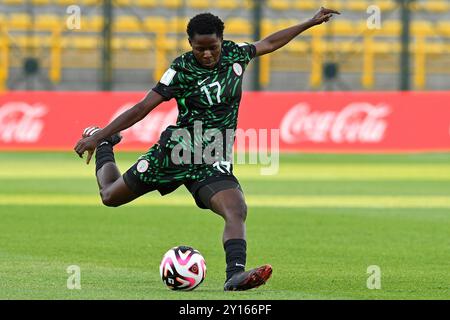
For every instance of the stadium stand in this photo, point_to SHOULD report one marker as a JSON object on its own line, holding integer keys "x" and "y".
{"x": 13, "y": 2}
{"x": 305, "y": 5}
{"x": 64, "y": 2}
{"x": 357, "y": 5}
{"x": 227, "y": 4}
{"x": 437, "y": 6}
{"x": 146, "y": 3}
{"x": 155, "y": 30}
{"x": 281, "y": 5}
{"x": 172, "y": 4}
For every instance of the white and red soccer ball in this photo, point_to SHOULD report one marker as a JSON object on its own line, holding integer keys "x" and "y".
{"x": 182, "y": 268}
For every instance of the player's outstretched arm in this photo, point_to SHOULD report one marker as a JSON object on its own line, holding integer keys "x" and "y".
{"x": 279, "y": 39}
{"x": 122, "y": 122}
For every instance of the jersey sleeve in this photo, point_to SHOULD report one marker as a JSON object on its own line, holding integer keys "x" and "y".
{"x": 247, "y": 51}
{"x": 169, "y": 86}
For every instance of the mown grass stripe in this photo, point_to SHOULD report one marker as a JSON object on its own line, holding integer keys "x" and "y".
{"x": 424, "y": 202}
{"x": 299, "y": 171}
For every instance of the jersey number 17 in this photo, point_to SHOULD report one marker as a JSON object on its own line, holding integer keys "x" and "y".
{"x": 208, "y": 95}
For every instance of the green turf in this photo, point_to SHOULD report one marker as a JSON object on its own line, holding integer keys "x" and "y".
{"x": 321, "y": 222}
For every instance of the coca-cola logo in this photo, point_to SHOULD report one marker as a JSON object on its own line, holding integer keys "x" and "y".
{"x": 21, "y": 122}
{"x": 357, "y": 122}
{"x": 148, "y": 129}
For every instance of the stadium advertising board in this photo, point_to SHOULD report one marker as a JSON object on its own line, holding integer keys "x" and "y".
{"x": 307, "y": 122}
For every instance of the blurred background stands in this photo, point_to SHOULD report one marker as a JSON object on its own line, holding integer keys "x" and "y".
{"x": 38, "y": 51}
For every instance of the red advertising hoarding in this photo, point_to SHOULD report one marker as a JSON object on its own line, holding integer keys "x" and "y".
{"x": 307, "y": 122}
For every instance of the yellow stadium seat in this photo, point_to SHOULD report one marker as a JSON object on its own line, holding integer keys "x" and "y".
{"x": 66, "y": 42}
{"x": 168, "y": 44}
{"x": 117, "y": 43}
{"x": 443, "y": 27}
{"x": 331, "y": 4}
{"x": 360, "y": 27}
{"x": 2, "y": 20}
{"x": 172, "y": 4}
{"x": 284, "y": 23}
{"x": 40, "y": 2}
{"x": 390, "y": 28}
{"x": 386, "y": 5}
{"x": 281, "y": 5}
{"x": 178, "y": 24}
{"x": 122, "y": 3}
{"x": 306, "y": 5}
{"x": 48, "y": 22}
{"x": 185, "y": 46}
{"x": 64, "y": 2}
{"x": 422, "y": 28}
{"x": 13, "y": 2}
{"x": 435, "y": 48}
{"x": 434, "y": 6}
{"x": 83, "y": 43}
{"x": 19, "y": 21}
{"x": 156, "y": 24}
{"x": 92, "y": 24}
{"x": 198, "y": 4}
{"x": 128, "y": 24}
{"x": 238, "y": 26}
{"x": 383, "y": 47}
{"x": 138, "y": 44}
{"x": 245, "y": 4}
{"x": 447, "y": 48}
{"x": 146, "y": 3}
{"x": 342, "y": 27}
{"x": 227, "y": 4}
{"x": 32, "y": 42}
{"x": 357, "y": 5}
{"x": 91, "y": 2}
{"x": 349, "y": 46}
{"x": 268, "y": 27}
{"x": 297, "y": 46}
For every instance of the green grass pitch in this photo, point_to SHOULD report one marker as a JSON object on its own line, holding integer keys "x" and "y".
{"x": 321, "y": 222}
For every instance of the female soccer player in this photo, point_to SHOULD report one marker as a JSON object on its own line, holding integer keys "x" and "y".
{"x": 207, "y": 85}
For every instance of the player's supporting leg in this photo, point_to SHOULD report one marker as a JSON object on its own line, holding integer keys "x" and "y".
{"x": 230, "y": 204}
{"x": 113, "y": 190}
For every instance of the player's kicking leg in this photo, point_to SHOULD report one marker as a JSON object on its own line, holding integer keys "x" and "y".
{"x": 113, "y": 190}
{"x": 230, "y": 204}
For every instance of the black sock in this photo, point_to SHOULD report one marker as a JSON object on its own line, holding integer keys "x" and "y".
{"x": 103, "y": 155}
{"x": 236, "y": 256}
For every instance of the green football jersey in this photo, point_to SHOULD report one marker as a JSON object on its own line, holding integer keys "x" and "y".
{"x": 206, "y": 97}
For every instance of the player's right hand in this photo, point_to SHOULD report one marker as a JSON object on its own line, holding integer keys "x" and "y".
{"x": 88, "y": 143}
{"x": 323, "y": 15}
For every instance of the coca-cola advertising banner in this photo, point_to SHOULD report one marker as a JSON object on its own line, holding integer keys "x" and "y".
{"x": 305, "y": 122}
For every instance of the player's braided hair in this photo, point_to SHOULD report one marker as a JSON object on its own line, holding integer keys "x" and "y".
{"x": 205, "y": 23}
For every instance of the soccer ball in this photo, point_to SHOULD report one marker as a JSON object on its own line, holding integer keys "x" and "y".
{"x": 182, "y": 268}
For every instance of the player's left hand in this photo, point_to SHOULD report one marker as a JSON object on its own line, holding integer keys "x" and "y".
{"x": 323, "y": 15}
